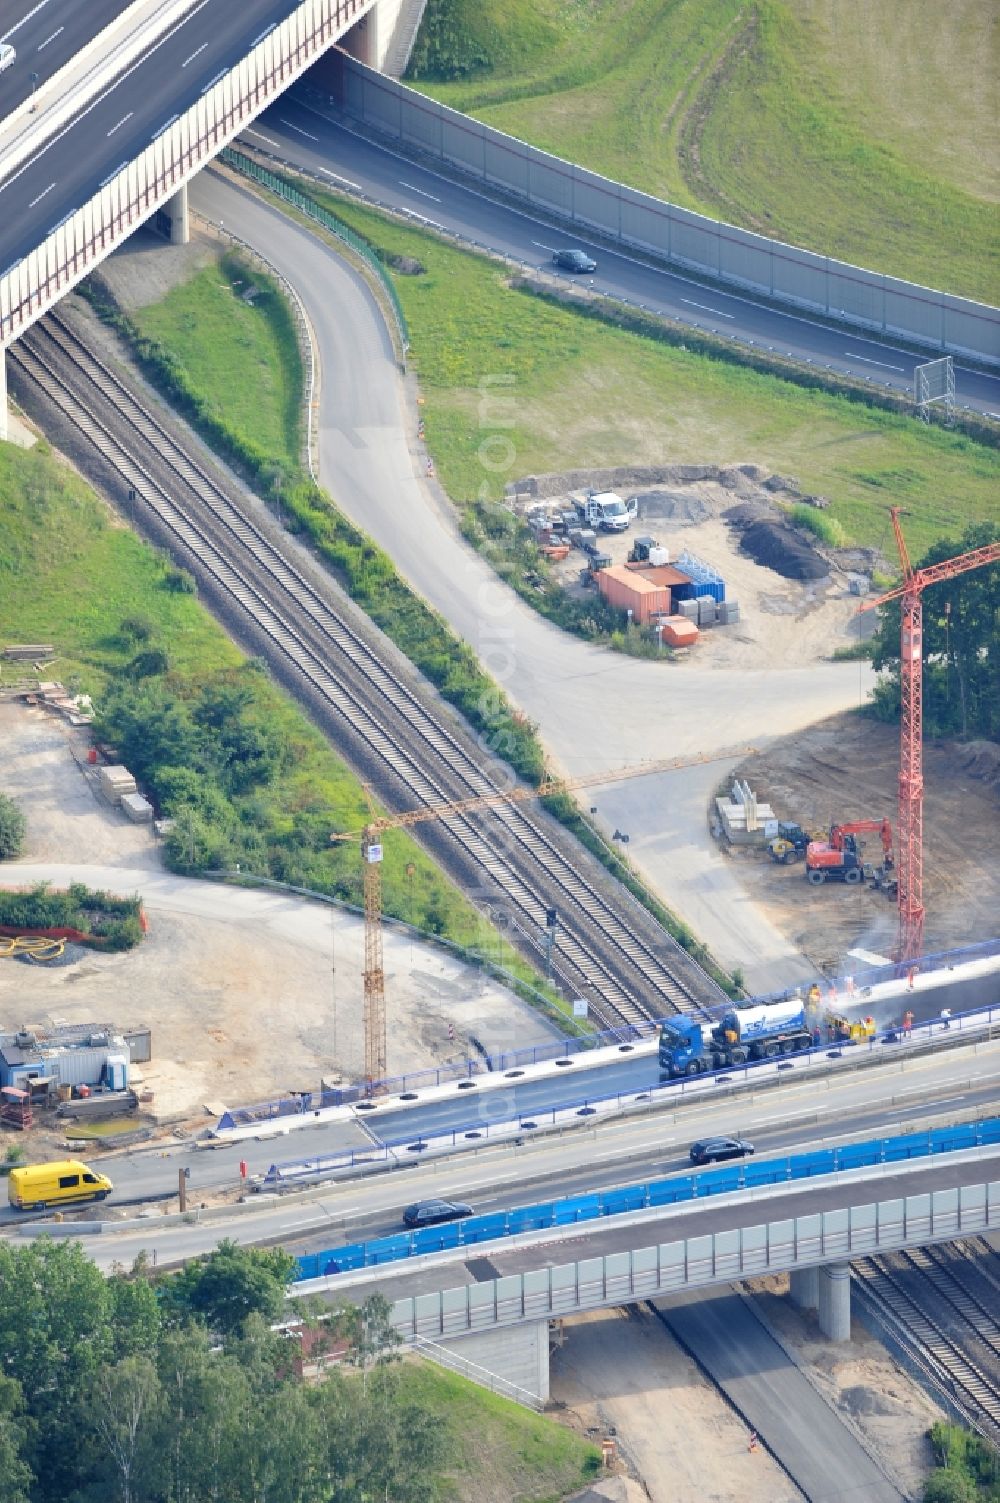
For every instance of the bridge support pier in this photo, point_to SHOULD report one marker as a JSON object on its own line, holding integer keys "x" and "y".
{"x": 804, "y": 1288}
{"x": 4, "y": 423}
{"x": 512, "y": 1360}
{"x": 176, "y": 210}
{"x": 835, "y": 1301}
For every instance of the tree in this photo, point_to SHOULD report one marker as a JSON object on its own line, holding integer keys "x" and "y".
{"x": 12, "y": 828}
{"x": 961, "y": 645}
{"x": 122, "y": 1405}
{"x": 232, "y": 1284}
{"x": 15, "y": 1474}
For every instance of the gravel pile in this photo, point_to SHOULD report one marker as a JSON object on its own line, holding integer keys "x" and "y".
{"x": 777, "y": 547}
{"x": 744, "y": 513}
{"x": 682, "y": 508}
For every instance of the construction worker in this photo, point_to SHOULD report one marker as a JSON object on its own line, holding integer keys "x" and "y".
{"x": 814, "y": 997}
{"x": 946, "y": 1016}
{"x": 752, "y": 1441}
{"x": 907, "y": 1023}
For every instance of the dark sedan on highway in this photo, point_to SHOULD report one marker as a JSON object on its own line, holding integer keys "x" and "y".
{"x": 715, "y": 1150}
{"x": 574, "y": 260}
{"x": 431, "y": 1212}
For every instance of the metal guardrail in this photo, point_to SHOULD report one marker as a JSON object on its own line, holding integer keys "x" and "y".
{"x": 663, "y": 1192}
{"x": 308, "y": 206}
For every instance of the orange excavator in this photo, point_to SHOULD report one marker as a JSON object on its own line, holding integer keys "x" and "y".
{"x": 839, "y": 860}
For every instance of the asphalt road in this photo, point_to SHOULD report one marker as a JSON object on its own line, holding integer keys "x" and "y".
{"x": 46, "y": 35}
{"x": 800, "y": 1428}
{"x": 120, "y": 123}
{"x": 594, "y": 708}
{"x": 298, "y": 132}
{"x": 961, "y": 1084}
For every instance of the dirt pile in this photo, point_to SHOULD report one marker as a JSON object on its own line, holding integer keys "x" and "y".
{"x": 680, "y": 508}
{"x": 981, "y": 759}
{"x": 780, "y": 548}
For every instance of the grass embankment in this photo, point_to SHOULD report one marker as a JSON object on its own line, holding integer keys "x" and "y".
{"x": 524, "y": 380}
{"x": 857, "y": 130}
{"x": 496, "y": 1449}
{"x": 71, "y": 574}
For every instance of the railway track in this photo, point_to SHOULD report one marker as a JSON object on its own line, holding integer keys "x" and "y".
{"x": 607, "y": 948}
{"x": 936, "y": 1303}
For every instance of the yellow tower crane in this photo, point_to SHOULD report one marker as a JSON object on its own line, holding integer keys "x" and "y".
{"x": 371, "y": 856}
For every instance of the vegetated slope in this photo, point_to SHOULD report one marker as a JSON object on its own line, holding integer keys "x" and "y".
{"x": 863, "y": 131}
{"x": 579, "y": 394}
{"x": 125, "y": 625}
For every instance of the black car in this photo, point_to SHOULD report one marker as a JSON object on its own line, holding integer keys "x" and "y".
{"x": 430, "y": 1212}
{"x": 714, "y": 1150}
{"x": 574, "y": 260}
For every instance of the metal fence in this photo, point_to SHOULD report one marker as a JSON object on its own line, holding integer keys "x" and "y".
{"x": 785, "y": 274}
{"x": 314, "y": 211}
{"x": 676, "y": 1190}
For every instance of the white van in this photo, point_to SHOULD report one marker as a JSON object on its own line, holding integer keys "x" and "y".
{"x": 7, "y": 56}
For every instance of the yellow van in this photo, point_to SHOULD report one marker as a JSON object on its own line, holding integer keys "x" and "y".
{"x": 63, "y": 1182}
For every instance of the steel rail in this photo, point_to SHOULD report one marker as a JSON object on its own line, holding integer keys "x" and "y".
{"x": 303, "y": 627}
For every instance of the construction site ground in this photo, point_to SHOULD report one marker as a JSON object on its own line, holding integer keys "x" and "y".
{"x": 249, "y": 994}
{"x": 846, "y": 768}
{"x": 621, "y": 1372}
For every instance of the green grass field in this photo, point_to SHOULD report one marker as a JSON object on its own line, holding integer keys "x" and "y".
{"x": 577, "y": 393}
{"x": 866, "y": 131}
{"x": 523, "y": 1455}
{"x": 244, "y": 358}
{"x": 70, "y": 573}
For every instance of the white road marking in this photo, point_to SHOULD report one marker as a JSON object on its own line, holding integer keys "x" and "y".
{"x": 265, "y": 33}
{"x": 213, "y": 81}
{"x": 853, "y": 355}
{"x": 298, "y": 129}
{"x": 53, "y": 140}
{"x": 121, "y": 122}
{"x": 197, "y": 53}
{"x": 52, "y": 38}
{"x": 262, "y": 137}
{"x": 706, "y": 309}
{"x": 111, "y": 175}
{"x": 38, "y": 200}
{"x": 338, "y": 179}
{"x": 24, "y": 20}
{"x": 420, "y": 191}
{"x": 543, "y": 247}
{"x": 165, "y": 126}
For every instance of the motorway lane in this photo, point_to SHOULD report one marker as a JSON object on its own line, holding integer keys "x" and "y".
{"x": 117, "y": 126}
{"x": 963, "y": 1083}
{"x": 47, "y": 34}
{"x": 297, "y": 131}
{"x": 801, "y": 1429}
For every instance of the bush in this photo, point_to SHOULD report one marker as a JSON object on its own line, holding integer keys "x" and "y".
{"x": 827, "y": 529}
{"x": 13, "y": 829}
{"x": 101, "y": 915}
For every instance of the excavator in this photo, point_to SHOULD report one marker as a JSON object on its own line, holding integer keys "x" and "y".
{"x": 839, "y": 860}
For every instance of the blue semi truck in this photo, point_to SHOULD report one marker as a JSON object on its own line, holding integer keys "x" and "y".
{"x": 688, "y": 1047}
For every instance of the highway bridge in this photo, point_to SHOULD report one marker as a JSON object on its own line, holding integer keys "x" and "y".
{"x": 112, "y": 107}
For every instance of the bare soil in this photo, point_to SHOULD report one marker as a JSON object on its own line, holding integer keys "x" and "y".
{"x": 846, "y": 768}
{"x": 883, "y": 1405}
{"x": 622, "y": 1374}
{"x": 784, "y": 622}
{"x": 248, "y": 994}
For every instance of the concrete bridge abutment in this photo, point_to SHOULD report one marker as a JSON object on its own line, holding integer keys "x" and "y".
{"x": 516, "y": 1358}
{"x": 804, "y": 1288}
{"x": 4, "y": 412}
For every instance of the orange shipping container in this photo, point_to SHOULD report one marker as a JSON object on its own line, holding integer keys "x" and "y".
{"x": 628, "y": 591}
{"x": 679, "y": 632}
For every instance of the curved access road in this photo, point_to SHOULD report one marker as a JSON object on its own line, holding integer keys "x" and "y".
{"x": 595, "y": 709}
{"x": 299, "y": 132}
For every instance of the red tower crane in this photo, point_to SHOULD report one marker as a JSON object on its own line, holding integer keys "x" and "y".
{"x": 910, "y": 870}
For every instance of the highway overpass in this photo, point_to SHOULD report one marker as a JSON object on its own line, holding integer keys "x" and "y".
{"x": 111, "y": 108}
{"x": 492, "y": 1306}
